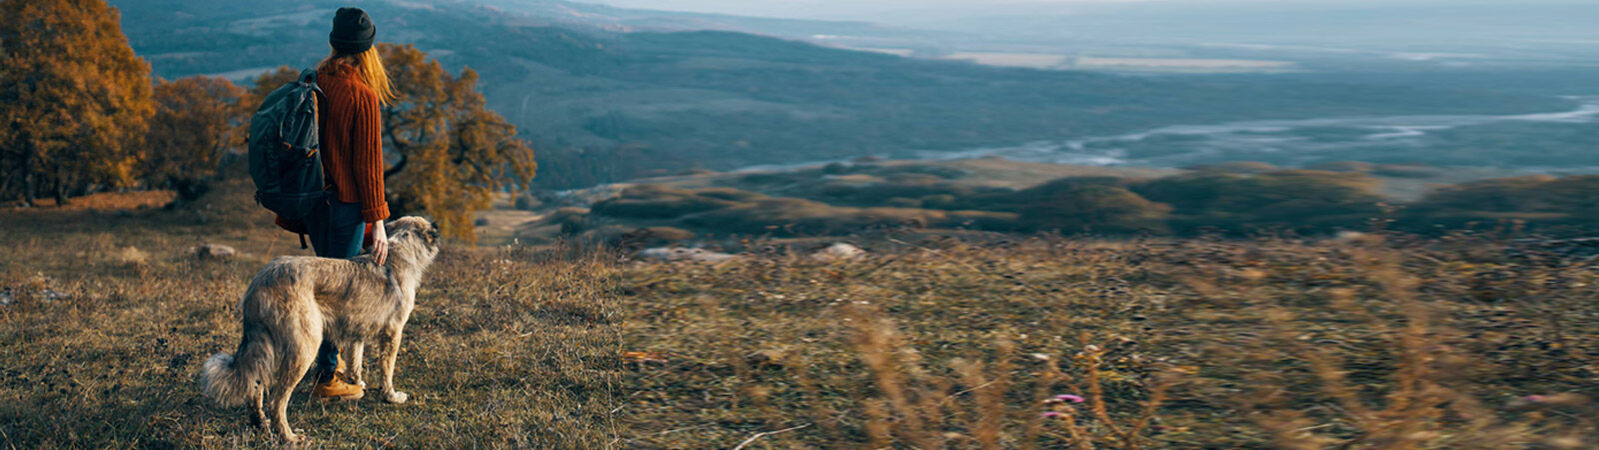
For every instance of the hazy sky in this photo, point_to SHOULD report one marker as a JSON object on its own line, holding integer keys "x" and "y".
{"x": 837, "y": 9}
{"x": 872, "y": 9}
{"x": 853, "y": 9}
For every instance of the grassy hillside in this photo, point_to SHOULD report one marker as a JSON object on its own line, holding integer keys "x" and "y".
{"x": 606, "y": 106}
{"x": 1173, "y": 344}
{"x": 926, "y": 342}
{"x": 107, "y": 317}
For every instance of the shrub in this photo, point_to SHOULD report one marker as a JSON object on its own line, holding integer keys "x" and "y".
{"x": 1053, "y": 189}
{"x": 1093, "y": 207}
{"x": 1563, "y": 204}
{"x": 526, "y": 202}
{"x": 940, "y": 201}
{"x": 1303, "y": 200}
{"x": 572, "y": 220}
{"x": 1527, "y": 193}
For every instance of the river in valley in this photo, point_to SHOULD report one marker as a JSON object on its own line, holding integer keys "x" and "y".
{"x": 1416, "y": 138}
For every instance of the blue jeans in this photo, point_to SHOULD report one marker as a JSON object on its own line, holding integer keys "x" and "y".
{"x": 336, "y": 231}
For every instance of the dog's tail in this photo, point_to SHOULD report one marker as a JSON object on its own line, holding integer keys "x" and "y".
{"x": 234, "y": 379}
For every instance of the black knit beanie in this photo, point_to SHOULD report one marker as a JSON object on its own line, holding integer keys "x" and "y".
{"x": 352, "y": 31}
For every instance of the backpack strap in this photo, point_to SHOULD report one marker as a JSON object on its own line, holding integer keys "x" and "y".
{"x": 308, "y": 76}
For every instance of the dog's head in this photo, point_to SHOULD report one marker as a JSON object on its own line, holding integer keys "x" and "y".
{"x": 417, "y": 228}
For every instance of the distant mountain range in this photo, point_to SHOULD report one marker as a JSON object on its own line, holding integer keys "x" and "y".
{"x": 589, "y": 15}
{"x": 1316, "y": 34}
{"x": 609, "y": 94}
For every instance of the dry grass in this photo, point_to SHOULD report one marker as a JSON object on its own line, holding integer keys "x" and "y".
{"x": 113, "y": 201}
{"x": 1169, "y": 344}
{"x": 507, "y": 348}
{"x": 928, "y": 343}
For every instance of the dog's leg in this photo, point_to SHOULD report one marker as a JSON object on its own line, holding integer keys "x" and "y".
{"x": 353, "y": 363}
{"x": 387, "y": 368}
{"x": 258, "y": 416}
{"x": 299, "y": 357}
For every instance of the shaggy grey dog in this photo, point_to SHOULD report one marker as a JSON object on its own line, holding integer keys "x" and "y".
{"x": 296, "y": 301}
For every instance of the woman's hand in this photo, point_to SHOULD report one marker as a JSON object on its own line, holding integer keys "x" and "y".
{"x": 380, "y": 243}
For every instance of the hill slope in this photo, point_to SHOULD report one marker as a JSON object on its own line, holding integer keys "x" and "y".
{"x": 929, "y": 341}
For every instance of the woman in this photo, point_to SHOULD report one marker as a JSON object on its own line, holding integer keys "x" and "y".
{"x": 354, "y": 84}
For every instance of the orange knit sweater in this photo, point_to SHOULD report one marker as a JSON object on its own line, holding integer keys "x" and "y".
{"x": 352, "y": 142}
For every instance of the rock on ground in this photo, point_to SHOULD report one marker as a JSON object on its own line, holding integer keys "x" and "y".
{"x": 215, "y": 251}
{"x": 683, "y": 254}
{"x": 839, "y": 251}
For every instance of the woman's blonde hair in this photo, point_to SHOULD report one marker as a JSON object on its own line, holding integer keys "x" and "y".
{"x": 370, "y": 68}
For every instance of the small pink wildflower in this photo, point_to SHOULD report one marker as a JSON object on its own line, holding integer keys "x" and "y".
{"x": 1051, "y": 414}
{"x": 1533, "y": 398}
{"x": 1069, "y": 398}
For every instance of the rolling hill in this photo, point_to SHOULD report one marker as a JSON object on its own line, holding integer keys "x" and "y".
{"x": 603, "y": 103}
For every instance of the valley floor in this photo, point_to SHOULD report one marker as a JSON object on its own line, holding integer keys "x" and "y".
{"x": 1197, "y": 343}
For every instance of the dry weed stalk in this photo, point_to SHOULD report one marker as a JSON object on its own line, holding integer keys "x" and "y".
{"x": 881, "y": 350}
{"x": 1108, "y": 429}
{"x": 908, "y": 409}
{"x": 1420, "y": 408}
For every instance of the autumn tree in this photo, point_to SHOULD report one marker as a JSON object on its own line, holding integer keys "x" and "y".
{"x": 263, "y": 85}
{"x": 73, "y": 96}
{"x": 197, "y": 120}
{"x": 452, "y": 152}
{"x": 447, "y": 152}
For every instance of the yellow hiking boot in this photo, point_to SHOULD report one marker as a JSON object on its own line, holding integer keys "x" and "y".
{"x": 335, "y": 388}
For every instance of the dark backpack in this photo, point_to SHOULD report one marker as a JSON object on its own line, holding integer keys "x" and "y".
{"x": 283, "y": 150}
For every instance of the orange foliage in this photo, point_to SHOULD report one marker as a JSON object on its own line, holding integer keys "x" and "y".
{"x": 197, "y": 119}
{"x": 453, "y": 152}
{"x": 75, "y": 97}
